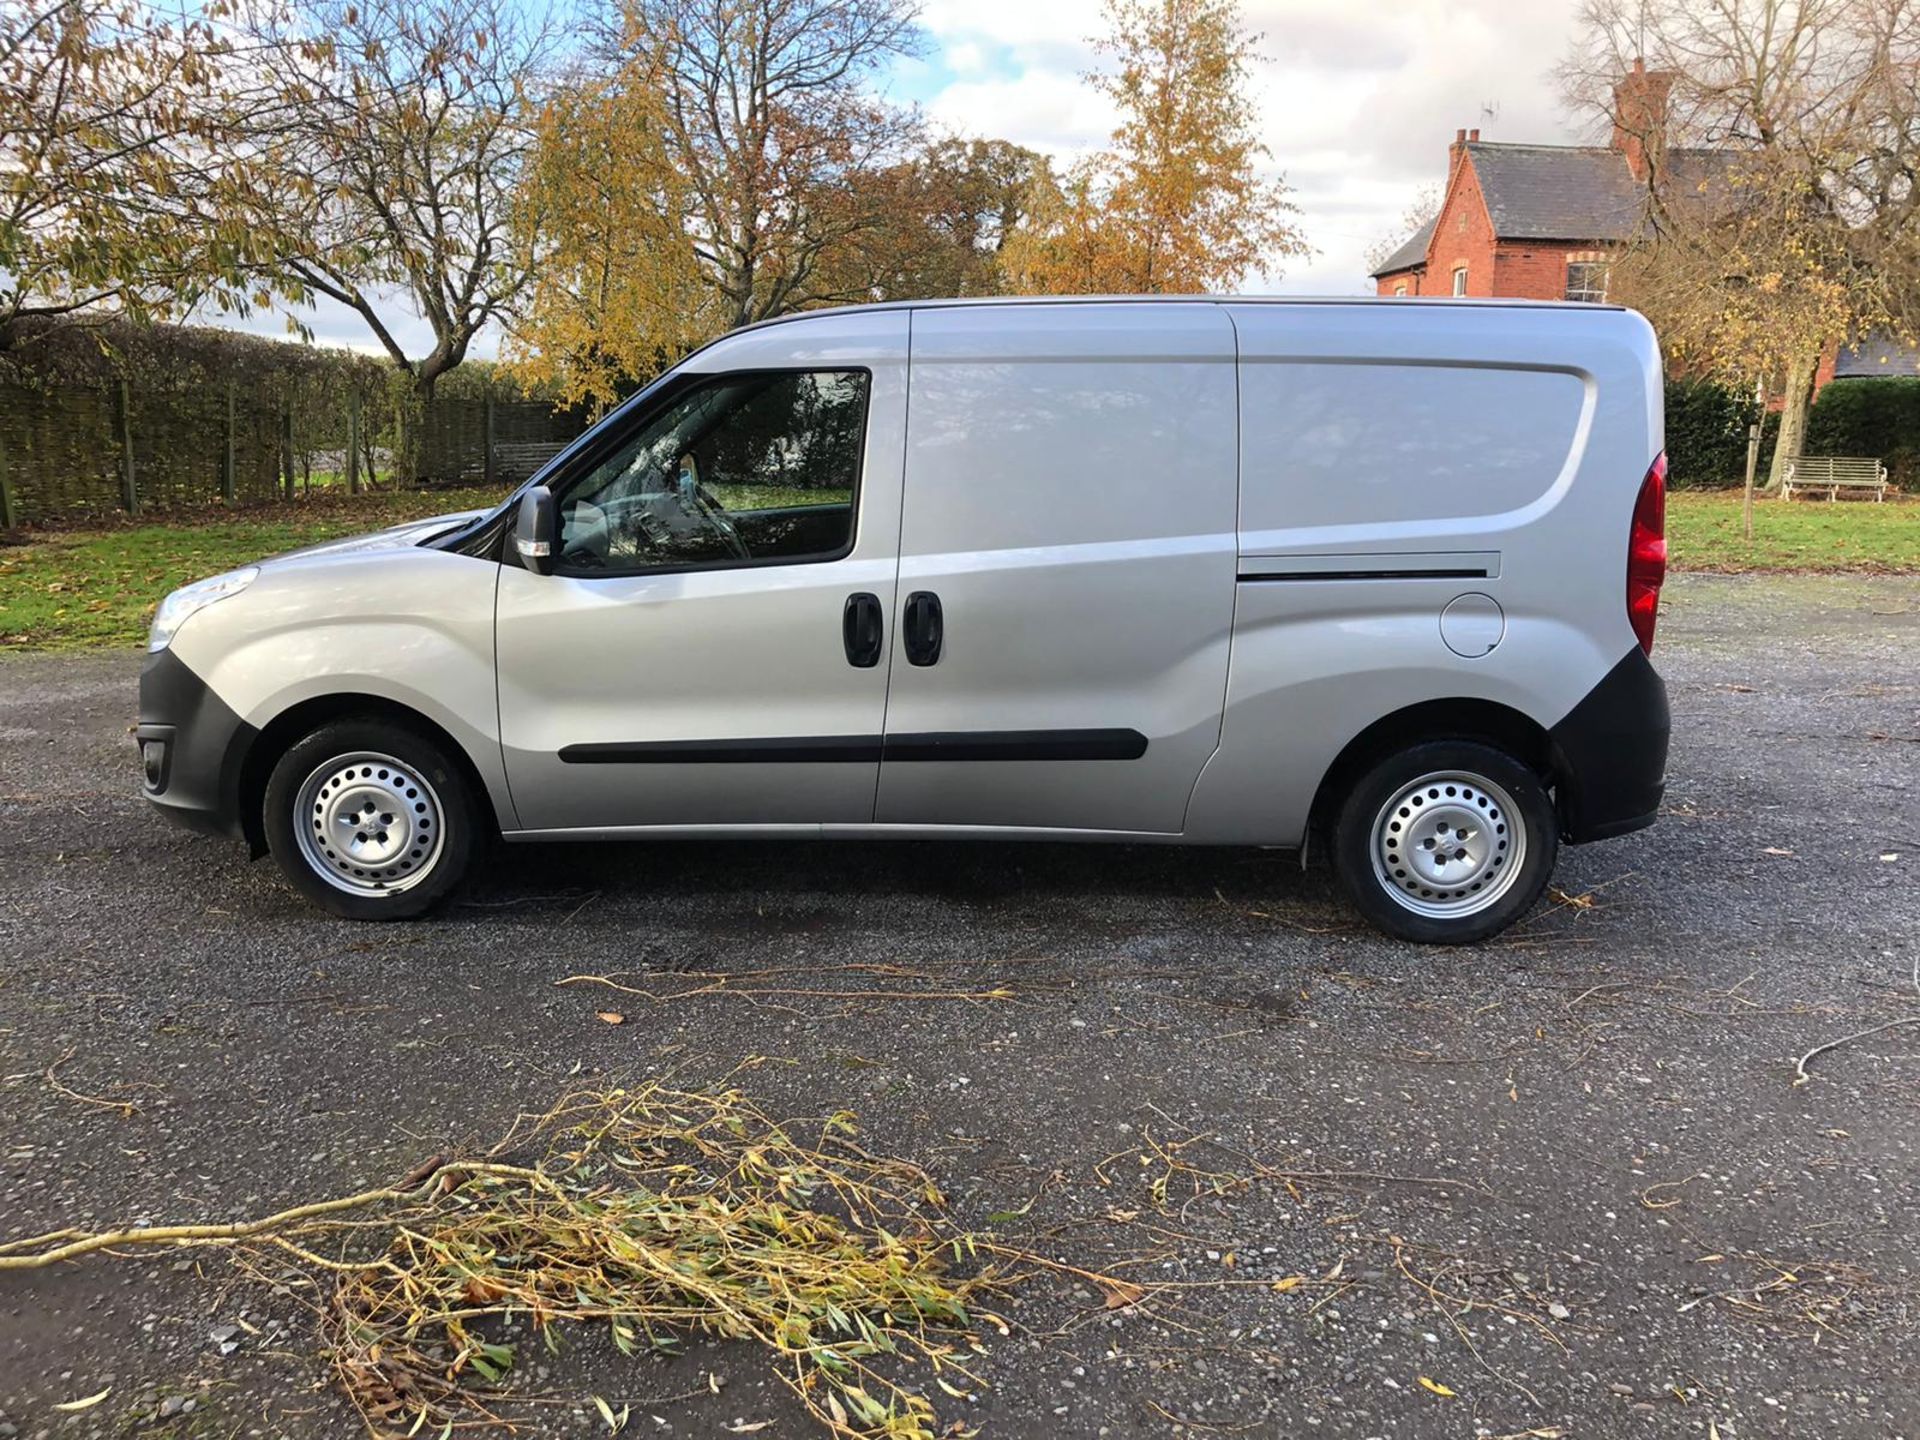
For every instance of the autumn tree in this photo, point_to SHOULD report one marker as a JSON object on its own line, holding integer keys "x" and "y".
{"x": 1802, "y": 231}
{"x": 770, "y": 121}
{"x": 616, "y": 292}
{"x": 1177, "y": 202}
{"x": 383, "y": 145}
{"x": 108, "y": 133}
{"x": 937, "y": 223}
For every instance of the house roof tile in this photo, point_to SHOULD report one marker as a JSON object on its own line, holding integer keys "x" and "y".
{"x": 1877, "y": 357}
{"x": 1582, "y": 193}
{"x": 1412, "y": 251}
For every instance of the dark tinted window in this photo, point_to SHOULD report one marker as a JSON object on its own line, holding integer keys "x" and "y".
{"x": 749, "y": 468}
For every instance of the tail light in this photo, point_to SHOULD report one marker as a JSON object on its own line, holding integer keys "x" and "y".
{"x": 1647, "y": 553}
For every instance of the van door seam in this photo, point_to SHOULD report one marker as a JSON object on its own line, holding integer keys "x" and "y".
{"x": 899, "y": 539}
{"x": 1233, "y": 609}
{"x": 499, "y": 716}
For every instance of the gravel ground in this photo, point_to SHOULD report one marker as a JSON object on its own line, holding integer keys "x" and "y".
{"x": 1590, "y": 1129}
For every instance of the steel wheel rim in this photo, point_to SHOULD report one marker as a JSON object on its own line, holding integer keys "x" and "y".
{"x": 368, "y": 824}
{"x": 1448, "y": 845}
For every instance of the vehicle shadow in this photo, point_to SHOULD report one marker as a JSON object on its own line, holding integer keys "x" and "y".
{"x": 960, "y": 872}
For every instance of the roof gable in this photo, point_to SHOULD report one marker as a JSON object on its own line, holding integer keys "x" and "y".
{"x": 1412, "y": 252}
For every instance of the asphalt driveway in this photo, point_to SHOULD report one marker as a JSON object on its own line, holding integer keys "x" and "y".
{"x": 1590, "y": 1130}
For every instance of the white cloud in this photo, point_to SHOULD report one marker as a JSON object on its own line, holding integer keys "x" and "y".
{"x": 1358, "y": 98}
{"x": 966, "y": 57}
{"x": 1041, "y": 109}
{"x": 1043, "y": 24}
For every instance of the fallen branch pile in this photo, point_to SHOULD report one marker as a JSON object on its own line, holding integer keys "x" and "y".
{"x": 657, "y": 1213}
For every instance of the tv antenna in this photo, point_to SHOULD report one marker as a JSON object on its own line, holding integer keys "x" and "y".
{"x": 1489, "y": 111}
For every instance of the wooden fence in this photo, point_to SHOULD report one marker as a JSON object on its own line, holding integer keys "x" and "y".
{"x": 73, "y": 450}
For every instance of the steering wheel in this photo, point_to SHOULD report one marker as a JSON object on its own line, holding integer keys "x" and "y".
{"x": 592, "y": 541}
{"x": 700, "y": 501}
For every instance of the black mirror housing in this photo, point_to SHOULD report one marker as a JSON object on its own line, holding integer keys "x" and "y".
{"x": 534, "y": 530}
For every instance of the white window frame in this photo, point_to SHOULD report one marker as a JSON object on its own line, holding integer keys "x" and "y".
{"x": 1587, "y": 294}
{"x": 1459, "y": 279}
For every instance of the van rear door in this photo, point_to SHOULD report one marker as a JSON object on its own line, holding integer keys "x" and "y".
{"x": 1059, "y": 651}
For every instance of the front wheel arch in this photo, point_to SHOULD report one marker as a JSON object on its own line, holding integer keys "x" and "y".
{"x": 296, "y": 722}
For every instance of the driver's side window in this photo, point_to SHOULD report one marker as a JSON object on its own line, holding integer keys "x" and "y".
{"x": 747, "y": 469}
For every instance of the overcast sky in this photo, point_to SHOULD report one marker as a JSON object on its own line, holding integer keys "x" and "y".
{"x": 1358, "y": 98}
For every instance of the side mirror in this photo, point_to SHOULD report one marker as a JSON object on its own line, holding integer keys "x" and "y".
{"x": 533, "y": 530}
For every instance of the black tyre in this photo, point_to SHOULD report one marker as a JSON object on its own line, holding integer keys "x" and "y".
{"x": 370, "y": 820}
{"x": 1446, "y": 843}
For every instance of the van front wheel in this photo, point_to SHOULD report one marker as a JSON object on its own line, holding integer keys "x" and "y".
{"x": 1446, "y": 843}
{"x": 369, "y": 820}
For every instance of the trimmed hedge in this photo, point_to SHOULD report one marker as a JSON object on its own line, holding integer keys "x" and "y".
{"x": 78, "y": 401}
{"x": 1876, "y": 418}
{"x": 1707, "y": 435}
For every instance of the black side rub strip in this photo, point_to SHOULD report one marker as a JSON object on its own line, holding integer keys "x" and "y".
{"x": 1293, "y": 576}
{"x": 1018, "y": 745}
{"x": 866, "y": 749}
{"x": 822, "y": 749}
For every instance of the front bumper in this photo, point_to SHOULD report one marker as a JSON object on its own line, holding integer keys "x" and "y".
{"x": 1610, "y": 753}
{"x": 192, "y": 747}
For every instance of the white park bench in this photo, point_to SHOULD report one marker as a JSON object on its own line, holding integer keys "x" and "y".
{"x": 1833, "y": 474}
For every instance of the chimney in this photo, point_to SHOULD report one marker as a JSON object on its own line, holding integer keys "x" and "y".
{"x": 1640, "y": 118}
{"x": 1457, "y": 152}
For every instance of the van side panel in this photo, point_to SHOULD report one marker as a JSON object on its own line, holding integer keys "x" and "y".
{"x": 1348, "y": 441}
{"x": 1395, "y": 460}
{"x": 1070, "y": 497}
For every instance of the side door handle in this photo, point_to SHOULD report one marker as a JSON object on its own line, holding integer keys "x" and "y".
{"x": 861, "y": 628}
{"x": 921, "y": 627}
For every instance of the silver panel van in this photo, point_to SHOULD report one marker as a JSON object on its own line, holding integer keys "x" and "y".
{"x": 1379, "y": 576}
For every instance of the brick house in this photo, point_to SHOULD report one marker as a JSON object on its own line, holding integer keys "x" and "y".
{"x": 1537, "y": 222}
{"x": 1876, "y": 357}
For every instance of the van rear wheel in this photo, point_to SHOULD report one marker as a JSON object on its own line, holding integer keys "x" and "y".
{"x": 369, "y": 820}
{"x": 1446, "y": 843}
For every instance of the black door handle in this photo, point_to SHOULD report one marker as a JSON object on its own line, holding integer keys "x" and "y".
{"x": 860, "y": 628}
{"x": 921, "y": 628}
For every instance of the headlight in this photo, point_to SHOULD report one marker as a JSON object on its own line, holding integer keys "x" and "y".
{"x": 189, "y": 600}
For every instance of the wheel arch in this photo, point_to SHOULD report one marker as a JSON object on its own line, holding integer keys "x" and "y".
{"x": 1486, "y": 721}
{"x": 286, "y": 729}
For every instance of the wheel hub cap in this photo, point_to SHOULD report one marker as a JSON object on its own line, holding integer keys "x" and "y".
{"x": 368, "y": 824}
{"x": 1448, "y": 844}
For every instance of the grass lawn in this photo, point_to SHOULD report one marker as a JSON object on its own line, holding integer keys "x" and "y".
{"x": 1704, "y": 532}
{"x": 68, "y": 589}
{"x": 77, "y": 588}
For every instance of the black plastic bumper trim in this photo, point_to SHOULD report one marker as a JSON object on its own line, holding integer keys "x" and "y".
{"x": 868, "y": 749}
{"x": 206, "y": 746}
{"x": 1610, "y": 753}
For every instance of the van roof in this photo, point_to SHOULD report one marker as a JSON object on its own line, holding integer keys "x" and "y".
{"x": 1424, "y": 302}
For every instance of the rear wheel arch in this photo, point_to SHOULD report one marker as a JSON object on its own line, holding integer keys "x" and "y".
{"x": 296, "y": 722}
{"x": 1485, "y": 721}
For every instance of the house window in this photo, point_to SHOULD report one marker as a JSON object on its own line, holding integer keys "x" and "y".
{"x": 1587, "y": 280}
{"x": 1401, "y": 288}
{"x": 1459, "y": 279}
